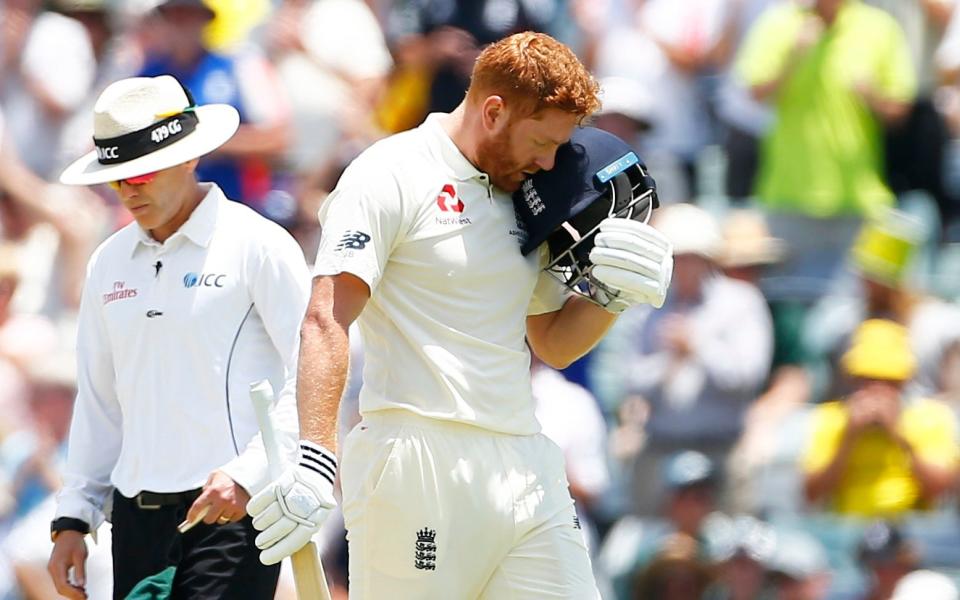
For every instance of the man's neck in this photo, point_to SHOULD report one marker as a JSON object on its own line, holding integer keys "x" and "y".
{"x": 459, "y": 127}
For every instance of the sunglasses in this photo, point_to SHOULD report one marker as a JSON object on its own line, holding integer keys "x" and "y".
{"x": 138, "y": 180}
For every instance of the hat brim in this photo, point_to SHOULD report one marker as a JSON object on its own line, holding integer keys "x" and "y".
{"x": 216, "y": 124}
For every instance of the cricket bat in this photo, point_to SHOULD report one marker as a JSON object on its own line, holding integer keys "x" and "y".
{"x": 308, "y": 573}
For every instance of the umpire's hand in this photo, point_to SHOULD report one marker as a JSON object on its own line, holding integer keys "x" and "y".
{"x": 222, "y": 501}
{"x": 69, "y": 551}
{"x": 291, "y": 509}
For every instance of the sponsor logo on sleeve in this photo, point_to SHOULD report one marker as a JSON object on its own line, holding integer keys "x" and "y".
{"x": 352, "y": 240}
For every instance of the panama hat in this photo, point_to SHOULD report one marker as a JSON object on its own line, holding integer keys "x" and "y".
{"x": 691, "y": 230}
{"x": 146, "y": 124}
{"x": 747, "y": 241}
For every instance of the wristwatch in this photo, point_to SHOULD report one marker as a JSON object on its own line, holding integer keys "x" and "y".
{"x": 67, "y": 524}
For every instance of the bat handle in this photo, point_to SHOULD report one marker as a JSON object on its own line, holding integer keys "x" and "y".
{"x": 261, "y": 395}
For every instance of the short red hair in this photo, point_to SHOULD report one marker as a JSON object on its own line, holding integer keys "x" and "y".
{"x": 534, "y": 72}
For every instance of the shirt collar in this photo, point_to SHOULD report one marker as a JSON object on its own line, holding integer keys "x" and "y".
{"x": 199, "y": 226}
{"x": 443, "y": 146}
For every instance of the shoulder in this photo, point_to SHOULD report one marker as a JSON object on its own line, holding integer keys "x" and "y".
{"x": 251, "y": 227}
{"x": 120, "y": 243}
{"x": 747, "y": 295}
{"x": 928, "y": 410}
{"x": 396, "y": 161}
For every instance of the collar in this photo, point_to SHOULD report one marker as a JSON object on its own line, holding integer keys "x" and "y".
{"x": 199, "y": 226}
{"x": 444, "y": 148}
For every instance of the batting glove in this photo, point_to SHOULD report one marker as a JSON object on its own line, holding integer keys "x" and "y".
{"x": 291, "y": 509}
{"x": 633, "y": 262}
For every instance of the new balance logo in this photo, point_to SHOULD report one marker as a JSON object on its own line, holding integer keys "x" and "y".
{"x": 425, "y": 551}
{"x": 353, "y": 240}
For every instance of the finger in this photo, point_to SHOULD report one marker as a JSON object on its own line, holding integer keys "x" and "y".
{"x": 624, "y": 241}
{"x": 262, "y": 500}
{"x": 200, "y": 505}
{"x": 634, "y": 229}
{"x": 268, "y": 517}
{"x": 273, "y": 534}
{"x": 80, "y": 569}
{"x": 627, "y": 282}
{"x": 210, "y": 517}
{"x": 626, "y": 261}
{"x": 57, "y": 568}
{"x": 285, "y": 547}
{"x": 187, "y": 524}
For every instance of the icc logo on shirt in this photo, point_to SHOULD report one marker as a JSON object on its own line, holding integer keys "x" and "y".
{"x": 203, "y": 280}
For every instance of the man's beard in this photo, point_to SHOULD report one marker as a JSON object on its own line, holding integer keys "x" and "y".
{"x": 494, "y": 159}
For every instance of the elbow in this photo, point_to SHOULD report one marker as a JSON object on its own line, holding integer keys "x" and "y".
{"x": 555, "y": 358}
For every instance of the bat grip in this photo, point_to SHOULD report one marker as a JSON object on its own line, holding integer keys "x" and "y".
{"x": 261, "y": 395}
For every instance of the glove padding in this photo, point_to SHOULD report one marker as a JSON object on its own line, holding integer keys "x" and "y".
{"x": 633, "y": 261}
{"x": 290, "y": 510}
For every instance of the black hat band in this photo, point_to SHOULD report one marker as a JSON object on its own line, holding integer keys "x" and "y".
{"x": 126, "y": 147}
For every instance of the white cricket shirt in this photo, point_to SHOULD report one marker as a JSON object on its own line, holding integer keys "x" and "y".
{"x": 170, "y": 337}
{"x": 444, "y": 329}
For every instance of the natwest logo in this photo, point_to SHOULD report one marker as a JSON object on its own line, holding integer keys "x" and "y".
{"x": 448, "y": 201}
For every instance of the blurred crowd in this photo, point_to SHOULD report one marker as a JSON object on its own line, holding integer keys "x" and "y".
{"x": 786, "y": 426}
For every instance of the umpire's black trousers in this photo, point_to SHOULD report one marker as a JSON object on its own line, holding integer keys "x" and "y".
{"x": 213, "y": 561}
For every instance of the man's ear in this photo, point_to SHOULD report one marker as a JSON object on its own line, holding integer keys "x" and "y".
{"x": 494, "y": 114}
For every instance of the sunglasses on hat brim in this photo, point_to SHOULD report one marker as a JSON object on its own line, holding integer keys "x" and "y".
{"x": 138, "y": 180}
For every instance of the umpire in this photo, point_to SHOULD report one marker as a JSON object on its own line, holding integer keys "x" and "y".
{"x": 181, "y": 310}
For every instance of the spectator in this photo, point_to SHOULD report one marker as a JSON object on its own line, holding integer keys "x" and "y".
{"x": 666, "y": 46}
{"x": 887, "y": 558}
{"x": 332, "y": 60}
{"x": 698, "y": 362}
{"x": 915, "y": 148}
{"x": 798, "y": 567}
{"x": 46, "y": 70}
{"x": 688, "y": 511}
{"x": 741, "y": 558}
{"x": 454, "y": 33}
{"x": 676, "y": 572}
{"x": 243, "y": 166}
{"x": 821, "y": 162}
{"x": 871, "y": 453}
{"x": 881, "y": 257}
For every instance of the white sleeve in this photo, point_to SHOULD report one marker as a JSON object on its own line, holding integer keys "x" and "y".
{"x": 280, "y": 288}
{"x": 737, "y": 356}
{"x": 347, "y": 37}
{"x": 549, "y": 295}
{"x": 96, "y": 432}
{"x": 361, "y": 223}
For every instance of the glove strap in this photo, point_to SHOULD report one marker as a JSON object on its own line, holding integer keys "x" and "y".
{"x": 318, "y": 459}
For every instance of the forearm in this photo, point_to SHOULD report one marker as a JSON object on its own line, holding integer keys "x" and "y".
{"x": 934, "y": 479}
{"x": 561, "y": 337}
{"x": 265, "y": 141}
{"x": 821, "y": 483}
{"x": 321, "y": 376}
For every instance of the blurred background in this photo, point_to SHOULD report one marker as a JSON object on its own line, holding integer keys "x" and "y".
{"x": 785, "y": 427}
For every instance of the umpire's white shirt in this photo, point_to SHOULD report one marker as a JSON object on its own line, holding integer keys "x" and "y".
{"x": 444, "y": 329}
{"x": 170, "y": 337}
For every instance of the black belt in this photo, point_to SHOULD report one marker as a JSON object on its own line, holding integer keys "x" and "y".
{"x": 154, "y": 500}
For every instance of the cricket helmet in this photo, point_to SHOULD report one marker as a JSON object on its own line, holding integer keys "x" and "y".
{"x": 596, "y": 175}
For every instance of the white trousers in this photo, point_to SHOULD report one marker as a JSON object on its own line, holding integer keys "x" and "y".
{"x": 442, "y": 510}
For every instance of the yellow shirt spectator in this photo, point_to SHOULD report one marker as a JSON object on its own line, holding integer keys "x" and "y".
{"x": 877, "y": 479}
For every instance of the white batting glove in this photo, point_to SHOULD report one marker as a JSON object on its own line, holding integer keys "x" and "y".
{"x": 291, "y": 509}
{"x": 633, "y": 261}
